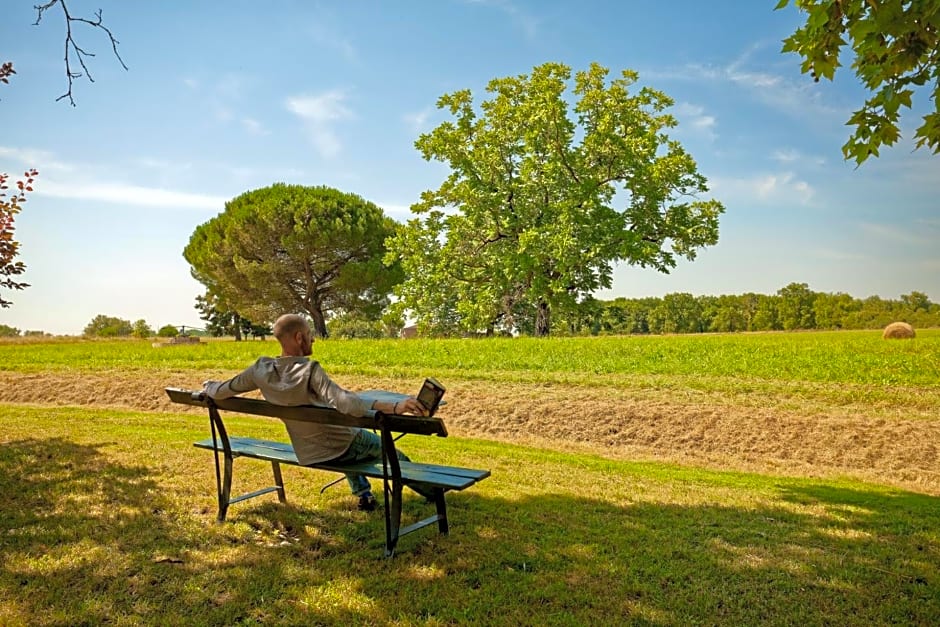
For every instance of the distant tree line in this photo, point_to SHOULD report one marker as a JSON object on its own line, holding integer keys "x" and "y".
{"x": 110, "y": 326}
{"x": 794, "y": 307}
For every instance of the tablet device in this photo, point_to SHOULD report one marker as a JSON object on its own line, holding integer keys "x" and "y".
{"x": 430, "y": 395}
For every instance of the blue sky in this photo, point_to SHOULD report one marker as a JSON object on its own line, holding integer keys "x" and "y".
{"x": 226, "y": 97}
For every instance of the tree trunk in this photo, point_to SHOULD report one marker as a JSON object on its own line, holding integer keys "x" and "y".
{"x": 319, "y": 322}
{"x": 238, "y": 328}
{"x": 542, "y": 320}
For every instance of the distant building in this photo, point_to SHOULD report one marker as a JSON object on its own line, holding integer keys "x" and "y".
{"x": 409, "y": 331}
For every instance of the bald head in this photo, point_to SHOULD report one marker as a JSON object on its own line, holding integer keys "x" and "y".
{"x": 289, "y": 324}
{"x": 293, "y": 333}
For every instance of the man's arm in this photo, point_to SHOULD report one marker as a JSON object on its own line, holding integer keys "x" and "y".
{"x": 242, "y": 382}
{"x": 351, "y": 403}
{"x": 335, "y": 395}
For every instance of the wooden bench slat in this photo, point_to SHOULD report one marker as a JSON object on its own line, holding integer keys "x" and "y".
{"x": 447, "y": 477}
{"x": 457, "y": 471}
{"x": 257, "y": 448}
{"x": 419, "y": 425}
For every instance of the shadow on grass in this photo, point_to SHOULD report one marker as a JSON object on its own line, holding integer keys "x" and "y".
{"x": 86, "y": 540}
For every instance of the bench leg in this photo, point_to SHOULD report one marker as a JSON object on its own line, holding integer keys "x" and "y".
{"x": 394, "y": 524}
{"x": 226, "y": 491}
{"x": 392, "y": 487}
{"x": 441, "y": 506}
{"x": 278, "y": 482}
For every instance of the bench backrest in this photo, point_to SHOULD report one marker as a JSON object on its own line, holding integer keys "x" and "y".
{"x": 419, "y": 425}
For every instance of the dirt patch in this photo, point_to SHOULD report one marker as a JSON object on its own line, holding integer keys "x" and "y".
{"x": 714, "y": 432}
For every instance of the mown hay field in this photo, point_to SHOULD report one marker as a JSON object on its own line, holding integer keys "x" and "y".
{"x": 804, "y": 404}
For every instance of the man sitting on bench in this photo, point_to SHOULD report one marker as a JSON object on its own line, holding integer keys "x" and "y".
{"x": 292, "y": 379}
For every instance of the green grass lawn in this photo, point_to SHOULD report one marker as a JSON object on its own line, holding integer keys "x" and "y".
{"x": 108, "y": 517}
{"x": 854, "y": 357}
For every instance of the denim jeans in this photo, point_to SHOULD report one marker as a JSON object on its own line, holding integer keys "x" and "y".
{"x": 365, "y": 447}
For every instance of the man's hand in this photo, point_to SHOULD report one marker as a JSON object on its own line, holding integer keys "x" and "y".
{"x": 211, "y": 387}
{"x": 409, "y": 405}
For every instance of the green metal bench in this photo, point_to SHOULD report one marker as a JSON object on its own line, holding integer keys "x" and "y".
{"x": 433, "y": 478}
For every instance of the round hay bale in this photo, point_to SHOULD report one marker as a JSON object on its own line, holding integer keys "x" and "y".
{"x": 898, "y": 331}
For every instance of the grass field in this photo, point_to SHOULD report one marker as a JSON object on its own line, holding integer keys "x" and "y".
{"x": 749, "y": 479}
{"x": 834, "y": 357}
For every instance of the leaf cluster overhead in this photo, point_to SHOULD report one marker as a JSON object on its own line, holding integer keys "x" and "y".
{"x": 895, "y": 46}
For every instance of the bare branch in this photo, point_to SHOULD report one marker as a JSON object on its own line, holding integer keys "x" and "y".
{"x": 72, "y": 47}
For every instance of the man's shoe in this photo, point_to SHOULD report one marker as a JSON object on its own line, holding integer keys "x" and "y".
{"x": 367, "y": 502}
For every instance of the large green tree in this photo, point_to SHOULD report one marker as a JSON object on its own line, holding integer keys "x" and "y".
{"x": 896, "y": 51}
{"x": 295, "y": 248}
{"x": 544, "y": 197}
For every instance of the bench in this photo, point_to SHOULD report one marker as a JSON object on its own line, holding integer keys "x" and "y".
{"x": 433, "y": 478}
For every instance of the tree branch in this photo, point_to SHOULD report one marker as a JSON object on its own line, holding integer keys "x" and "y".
{"x": 71, "y": 45}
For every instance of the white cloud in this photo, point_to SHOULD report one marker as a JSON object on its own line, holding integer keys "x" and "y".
{"x": 326, "y": 107}
{"x": 781, "y": 188}
{"x": 222, "y": 98}
{"x": 785, "y": 184}
{"x": 42, "y": 160}
{"x": 793, "y": 98}
{"x": 791, "y": 155}
{"x": 786, "y": 156}
{"x": 130, "y": 194}
{"x": 692, "y": 118}
{"x": 319, "y": 113}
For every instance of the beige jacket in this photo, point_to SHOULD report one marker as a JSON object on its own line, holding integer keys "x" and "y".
{"x": 293, "y": 381}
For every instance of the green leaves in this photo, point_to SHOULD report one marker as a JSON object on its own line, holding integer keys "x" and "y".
{"x": 526, "y": 220}
{"x": 896, "y": 45}
{"x": 9, "y": 247}
{"x": 292, "y": 248}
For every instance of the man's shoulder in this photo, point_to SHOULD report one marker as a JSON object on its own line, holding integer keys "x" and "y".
{"x": 287, "y": 364}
